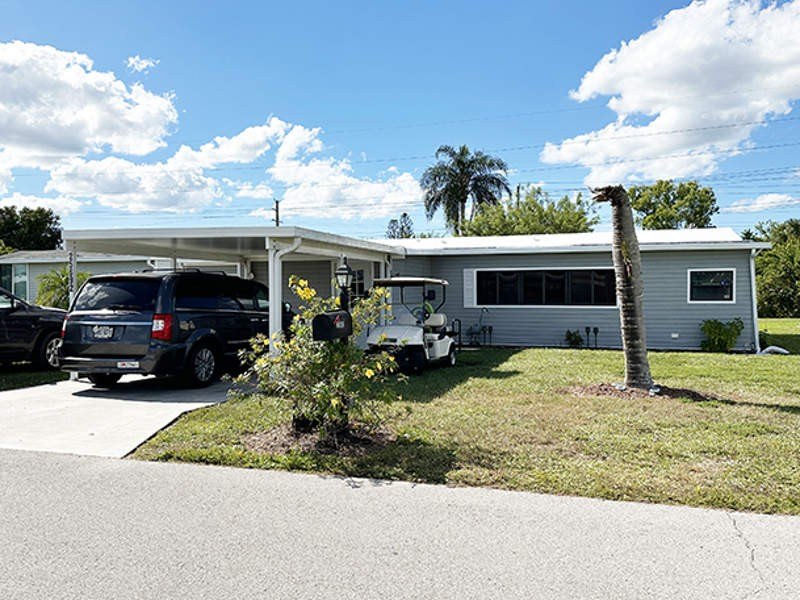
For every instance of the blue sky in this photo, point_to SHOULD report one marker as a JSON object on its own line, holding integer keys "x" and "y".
{"x": 361, "y": 94}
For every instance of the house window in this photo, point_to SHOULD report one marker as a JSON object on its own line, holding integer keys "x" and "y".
{"x": 712, "y": 285}
{"x": 545, "y": 287}
{"x": 21, "y": 281}
{"x": 14, "y": 278}
{"x": 357, "y": 288}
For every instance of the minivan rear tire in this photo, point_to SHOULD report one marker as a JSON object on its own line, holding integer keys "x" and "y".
{"x": 104, "y": 380}
{"x": 202, "y": 366}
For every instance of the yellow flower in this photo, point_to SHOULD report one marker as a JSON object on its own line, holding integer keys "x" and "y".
{"x": 369, "y": 373}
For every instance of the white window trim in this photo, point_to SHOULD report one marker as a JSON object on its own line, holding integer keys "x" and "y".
{"x": 703, "y": 270}
{"x": 475, "y": 271}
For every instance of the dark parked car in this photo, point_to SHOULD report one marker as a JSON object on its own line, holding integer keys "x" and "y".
{"x": 186, "y": 323}
{"x": 29, "y": 332}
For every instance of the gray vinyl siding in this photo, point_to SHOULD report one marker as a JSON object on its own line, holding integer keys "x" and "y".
{"x": 36, "y": 270}
{"x": 667, "y": 311}
{"x": 317, "y": 272}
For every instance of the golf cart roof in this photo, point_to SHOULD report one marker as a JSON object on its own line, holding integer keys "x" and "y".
{"x": 408, "y": 282}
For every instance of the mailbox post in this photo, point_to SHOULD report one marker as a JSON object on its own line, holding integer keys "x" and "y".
{"x": 344, "y": 279}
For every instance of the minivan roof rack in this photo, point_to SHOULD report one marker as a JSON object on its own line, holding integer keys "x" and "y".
{"x": 180, "y": 270}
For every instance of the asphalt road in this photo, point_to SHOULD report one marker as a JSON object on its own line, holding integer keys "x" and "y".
{"x": 83, "y": 527}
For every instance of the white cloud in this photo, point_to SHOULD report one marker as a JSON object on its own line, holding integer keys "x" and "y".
{"x": 762, "y": 203}
{"x": 55, "y": 106}
{"x": 83, "y": 126}
{"x": 707, "y": 67}
{"x": 61, "y": 205}
{"x": 327, "y": 188}
{"x": 135, "y": 187}
{"x": 138, "y": 64}
{"x": 247, "y": 189}
{"x": 178, "y": 184}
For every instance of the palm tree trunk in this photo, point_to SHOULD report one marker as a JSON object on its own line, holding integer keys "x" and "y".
{"x": 628, "y": 272}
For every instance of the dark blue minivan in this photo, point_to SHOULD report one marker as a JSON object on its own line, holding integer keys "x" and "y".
{"x": 190, "y": 324}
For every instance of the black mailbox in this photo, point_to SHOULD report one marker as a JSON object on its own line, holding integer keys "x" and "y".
{"x": 333, "y": 325}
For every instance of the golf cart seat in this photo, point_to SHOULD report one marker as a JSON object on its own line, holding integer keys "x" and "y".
{"x": 436, "y": 323}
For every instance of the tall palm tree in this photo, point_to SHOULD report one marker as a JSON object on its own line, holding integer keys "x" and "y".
{"x": 458, "y": 177}
{"x": 628, "y": 273}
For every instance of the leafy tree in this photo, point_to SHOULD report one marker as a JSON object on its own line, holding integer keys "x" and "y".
{"x": 54, "y": 287}
{"x": 325, "y": 384}
{"x": 461, "y": 176}
{"x": 29, "y": 228}
{"x": 5, "y": 249}
{"x": 400, "y": 228}
{"x": 778, "y": 269}
{"x": 630, "y": 288}
{"x": 535, "y": 214}
{"x": 665, "y": 205}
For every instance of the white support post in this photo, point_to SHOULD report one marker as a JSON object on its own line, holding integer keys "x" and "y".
{"x": 173, "y": 263}
{"x": 72, "y": 284}
{"x": 275, "y": 277}
{"x": 72, "y": 253}
{"x": 382, "y": 275}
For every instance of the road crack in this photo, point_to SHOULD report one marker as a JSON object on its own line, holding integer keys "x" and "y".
{"x": 752, "y": 556}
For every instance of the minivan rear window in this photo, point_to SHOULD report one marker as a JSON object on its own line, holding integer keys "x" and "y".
{"x": 118, "y": 294}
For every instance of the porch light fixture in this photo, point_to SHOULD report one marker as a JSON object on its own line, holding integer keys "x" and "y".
{"x": 344, "y": 275}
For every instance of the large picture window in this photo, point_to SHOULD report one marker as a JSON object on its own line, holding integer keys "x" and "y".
{"x": 545, "y": 287}
{"x": 712, "y": 285}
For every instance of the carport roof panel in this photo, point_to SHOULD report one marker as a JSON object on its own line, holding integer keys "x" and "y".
{"x": 213, "y": 243}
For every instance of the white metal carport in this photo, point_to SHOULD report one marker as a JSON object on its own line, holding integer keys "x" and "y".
{"x": 236, "y": 245}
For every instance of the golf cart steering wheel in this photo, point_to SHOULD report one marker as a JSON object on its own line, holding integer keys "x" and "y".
{"x": 422, "y": 312}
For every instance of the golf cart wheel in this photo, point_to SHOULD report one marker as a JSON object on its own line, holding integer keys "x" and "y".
{"x": 201, "y": 366}
{"x": 104, "y": 380}
{"x": 451, "y": 356}
{"x": 417, "y": 361}
{"x": 47, "y": 351}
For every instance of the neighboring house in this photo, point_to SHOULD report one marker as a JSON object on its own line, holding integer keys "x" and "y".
{"x": 20, "y": 271}
{"x": 534, "y": 287}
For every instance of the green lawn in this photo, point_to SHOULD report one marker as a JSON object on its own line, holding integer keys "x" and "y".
{"x": 20, "y": 375}
{"x": 782, "y": 332}
{"x": 506, "y": 418}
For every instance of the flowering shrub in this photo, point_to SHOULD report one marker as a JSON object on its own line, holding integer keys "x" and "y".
{"x": 326, "y": 383}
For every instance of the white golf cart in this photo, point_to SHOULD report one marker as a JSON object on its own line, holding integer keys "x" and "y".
{"x": 418, "y": 334}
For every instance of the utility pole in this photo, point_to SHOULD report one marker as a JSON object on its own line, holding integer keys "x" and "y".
{"x": 277, "y": 210}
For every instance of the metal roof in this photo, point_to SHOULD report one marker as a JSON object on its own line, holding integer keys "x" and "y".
{"x": 719, "y": 238}
{"x": 60, "y": 256}
{"x": 409, "y": 281}
{"x": 227, "y": 243}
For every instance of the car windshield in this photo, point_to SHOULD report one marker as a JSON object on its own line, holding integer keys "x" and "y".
{"x": 118, "y": 294}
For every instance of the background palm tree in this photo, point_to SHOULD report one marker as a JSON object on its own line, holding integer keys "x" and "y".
{"x": 54, "y": 287}
{"x": 458, "y": 177}
{"x": 628, "y": 272}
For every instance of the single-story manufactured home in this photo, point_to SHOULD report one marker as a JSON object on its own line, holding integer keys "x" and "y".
{"x": 20, "y": 271}
{"x": 529, "y": 289}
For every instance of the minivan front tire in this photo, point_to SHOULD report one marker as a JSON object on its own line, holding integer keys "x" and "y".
{"x": 202, "y": 366}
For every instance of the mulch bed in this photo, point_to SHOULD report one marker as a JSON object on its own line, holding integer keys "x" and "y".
{"x": 617, "y": 391}
{"x": 357, "y": 441}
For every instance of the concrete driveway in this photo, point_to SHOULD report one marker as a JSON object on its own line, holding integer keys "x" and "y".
{"x": 75, "y": 418}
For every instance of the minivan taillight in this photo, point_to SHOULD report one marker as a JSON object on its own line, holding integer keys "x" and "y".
{"x": 162, "y": 327}
{"x": 64, "y": 327}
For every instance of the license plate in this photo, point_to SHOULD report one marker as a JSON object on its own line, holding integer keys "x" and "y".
{"x": 102, "y": 332}
{"x": 128, "y": 364}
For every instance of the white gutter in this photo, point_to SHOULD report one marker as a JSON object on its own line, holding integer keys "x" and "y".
{"x": 754, "y": 295}
{"x": 275, "y": 277}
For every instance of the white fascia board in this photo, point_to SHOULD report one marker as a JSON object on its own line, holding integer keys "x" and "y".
{"x": 65, "y": 259}
{"x": 588, "y": 248}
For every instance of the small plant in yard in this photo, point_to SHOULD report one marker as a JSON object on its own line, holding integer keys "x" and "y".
{"x": 327, "y": 384}
{"x": 574, "y": 339}
{"x": 721, "y": 337}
